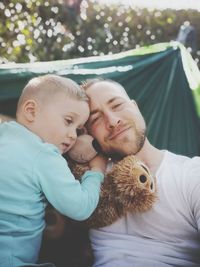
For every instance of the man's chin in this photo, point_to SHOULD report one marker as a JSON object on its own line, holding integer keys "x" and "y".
{"x": 123, "y": 150}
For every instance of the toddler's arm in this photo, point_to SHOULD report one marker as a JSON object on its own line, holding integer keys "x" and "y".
{"x": 98, "y": 163}
{"x": 70, "y": 197}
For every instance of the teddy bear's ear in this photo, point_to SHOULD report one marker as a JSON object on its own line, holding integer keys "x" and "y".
{"x": 83, "y": 150}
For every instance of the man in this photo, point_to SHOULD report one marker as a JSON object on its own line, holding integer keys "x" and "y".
{"x": 168, "y": 234}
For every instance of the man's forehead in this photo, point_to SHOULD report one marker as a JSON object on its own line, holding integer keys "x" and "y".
{"x": 94, "y": 106}
{"x": 105, "y": 89}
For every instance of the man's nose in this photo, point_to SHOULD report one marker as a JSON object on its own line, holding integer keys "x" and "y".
{"x": 112, "y": 120}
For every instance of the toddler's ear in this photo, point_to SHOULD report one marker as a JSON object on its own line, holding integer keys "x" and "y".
{"x": 29, "y": 109}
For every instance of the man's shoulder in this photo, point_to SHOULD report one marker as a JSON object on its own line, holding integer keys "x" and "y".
{"x": 175, "y": 162}
{"x": 181, "y": 158}
{"x": 181, "y": 161}
{"x": 171, "y": 157}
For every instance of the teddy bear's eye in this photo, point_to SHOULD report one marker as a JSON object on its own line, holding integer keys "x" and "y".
{"x": 143, "y": 179}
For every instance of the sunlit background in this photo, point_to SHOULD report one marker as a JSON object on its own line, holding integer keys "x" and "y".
{"x": 159, "y": 4}
{"x": 41, "y": 30}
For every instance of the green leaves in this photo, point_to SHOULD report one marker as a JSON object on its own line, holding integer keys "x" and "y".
{"x": 41, "y": 30}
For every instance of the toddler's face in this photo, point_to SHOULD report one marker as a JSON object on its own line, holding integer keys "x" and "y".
{"x": 57, "y": 122}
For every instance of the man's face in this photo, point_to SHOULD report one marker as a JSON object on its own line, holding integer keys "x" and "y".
{"x": 115, "y": 121}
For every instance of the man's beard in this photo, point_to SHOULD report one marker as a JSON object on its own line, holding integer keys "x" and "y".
{"x": 119, "y": 152}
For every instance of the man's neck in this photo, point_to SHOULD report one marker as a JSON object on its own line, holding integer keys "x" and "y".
{"x": 151, "y": 156}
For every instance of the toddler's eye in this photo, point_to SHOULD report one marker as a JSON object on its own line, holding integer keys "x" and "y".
{"x": 68, "y": 121}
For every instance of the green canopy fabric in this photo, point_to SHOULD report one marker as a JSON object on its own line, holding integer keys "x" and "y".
{"x": 162, "y": 78}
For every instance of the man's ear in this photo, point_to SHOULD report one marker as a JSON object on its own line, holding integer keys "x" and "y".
{"x": 30, "y": 109}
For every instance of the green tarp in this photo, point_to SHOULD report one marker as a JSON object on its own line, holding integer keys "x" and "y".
{"x": 162, "y": 78}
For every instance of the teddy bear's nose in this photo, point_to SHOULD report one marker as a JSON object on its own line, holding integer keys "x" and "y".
{"x": 143, "y": 179}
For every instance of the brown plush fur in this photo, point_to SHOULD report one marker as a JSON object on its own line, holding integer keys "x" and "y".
{"x": 127, "y": 187}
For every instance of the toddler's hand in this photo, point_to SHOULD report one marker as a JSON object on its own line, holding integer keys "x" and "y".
{"x": 98, "y": 163}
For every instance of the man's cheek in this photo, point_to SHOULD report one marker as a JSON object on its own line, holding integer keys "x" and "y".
{"x": 96, "y": 132}
{"x": 97, "y": 136}
{"x": 89, "y": 128}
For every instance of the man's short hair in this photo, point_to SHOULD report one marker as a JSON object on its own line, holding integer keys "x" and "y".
{"x": 89, "y": 82}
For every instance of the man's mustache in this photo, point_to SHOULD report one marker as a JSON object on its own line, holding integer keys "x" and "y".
{"x": 120, "y": 128}
{"x": 96, "y": 145}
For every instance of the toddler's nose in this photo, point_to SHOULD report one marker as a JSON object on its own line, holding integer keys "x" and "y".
{"x": 72, "y": 134}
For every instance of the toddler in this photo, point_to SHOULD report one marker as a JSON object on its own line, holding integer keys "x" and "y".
{"x": 32, "y": 171}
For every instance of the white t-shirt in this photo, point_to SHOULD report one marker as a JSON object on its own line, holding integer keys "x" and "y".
{"x": 166, "y": 235}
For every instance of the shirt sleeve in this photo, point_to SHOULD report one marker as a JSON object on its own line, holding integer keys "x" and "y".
{"x": 193, "y": 188}
{"x": 70, "y": 197}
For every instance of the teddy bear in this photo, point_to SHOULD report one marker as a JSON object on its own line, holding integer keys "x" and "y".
{"x": 128, "y": 186}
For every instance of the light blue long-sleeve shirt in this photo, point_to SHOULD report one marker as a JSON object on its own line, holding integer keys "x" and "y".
{"x": 32, "y": 172}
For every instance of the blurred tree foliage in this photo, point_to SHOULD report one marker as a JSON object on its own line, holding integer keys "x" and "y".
{"x": 40, "y": 30}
